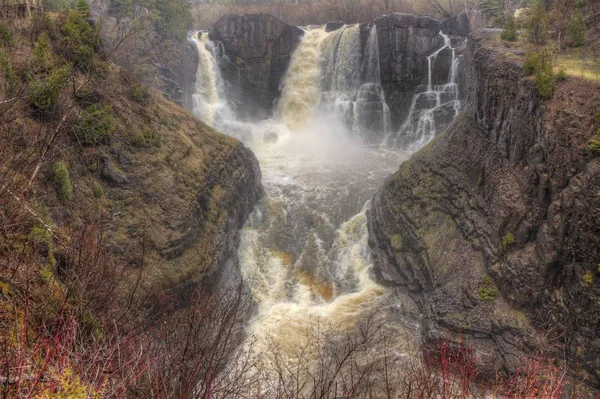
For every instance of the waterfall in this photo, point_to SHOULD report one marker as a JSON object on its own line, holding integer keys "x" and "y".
{"x": 304, "y": 251}
{"x": 330, "y": 73}
{"x": 352, "y": 85}
{"x": 209, "y": 102}
{"x": 301, "y": 88}
{"x": 432, "y": 110}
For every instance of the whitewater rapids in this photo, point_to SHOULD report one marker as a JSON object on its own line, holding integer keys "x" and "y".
{"x": 304, "y": 250}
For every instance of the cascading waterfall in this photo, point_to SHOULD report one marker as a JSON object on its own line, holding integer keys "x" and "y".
{"x": 433, "y": 109}
{"x": 304, "y": 251}
{"x": 209, "y": 100}
{"x": 329, "y": 73}
{"x": 301, "y": 87}
{"x": 351, "y": 89}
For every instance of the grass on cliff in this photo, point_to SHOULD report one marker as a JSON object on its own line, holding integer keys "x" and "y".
{"x": 87, "y": 207}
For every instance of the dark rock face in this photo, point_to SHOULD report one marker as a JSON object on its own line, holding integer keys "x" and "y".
{"x": 178, "y": 81}
{"x": 405, "y": 41}
{"x": 490, "y": 228}
{"x": 463, "y": 23}
{"x": 333, "y": 25}
{"x": 256, "y": 52}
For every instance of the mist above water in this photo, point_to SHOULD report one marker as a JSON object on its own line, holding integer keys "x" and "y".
{"x": 304, "y": 251}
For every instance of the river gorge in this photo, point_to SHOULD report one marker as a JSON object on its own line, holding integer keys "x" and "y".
{"x": 331, "y": 112}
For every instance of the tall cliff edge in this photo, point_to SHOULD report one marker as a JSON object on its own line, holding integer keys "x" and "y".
{"x": 492, "y": 228}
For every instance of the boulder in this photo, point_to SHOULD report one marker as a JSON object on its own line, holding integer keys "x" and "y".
{"x": 333, "y": 25}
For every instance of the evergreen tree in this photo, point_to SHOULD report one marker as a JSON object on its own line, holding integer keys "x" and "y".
{"x": 509, "y": 32}
{"x": 576, "y": 30}
{"x": 537, "y": 24}
{"x": 491, "y": 8}
{"x": 83, "y": 8}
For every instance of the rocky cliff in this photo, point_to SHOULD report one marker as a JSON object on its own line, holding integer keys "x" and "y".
{"x": 493, "y": 227}
{"x": 256, "y": 51}
{"x": 405, "y": 41}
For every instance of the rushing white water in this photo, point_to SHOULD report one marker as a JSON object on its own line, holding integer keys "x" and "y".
{"x": 301, "y": 87}
{"x": 304, "y": 250}
{"x": 429, "y": 109}
{"x": 209, "y": 100}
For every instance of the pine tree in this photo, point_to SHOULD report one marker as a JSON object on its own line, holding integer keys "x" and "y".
{"x": 491, "y": 8}
{"x": 509, "y": 32}
{"x": 537, "y": 24}
{"x": 576, "y": 30}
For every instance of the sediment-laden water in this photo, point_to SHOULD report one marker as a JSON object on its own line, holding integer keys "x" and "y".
{"x": 304, "y": 251}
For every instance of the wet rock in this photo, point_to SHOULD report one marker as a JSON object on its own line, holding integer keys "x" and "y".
{"x": 256, "y": 52}
{"x": 441, "y": 65}
{"x": 333, "y": 25}
{"x": 463, "y": 23}
{"x": 270, "y": 137}
{"x": 493, "y": 218}
{"x": 405, "y": 41}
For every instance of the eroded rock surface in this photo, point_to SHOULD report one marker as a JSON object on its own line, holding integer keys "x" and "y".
{"x": 256, "y": 52}
{"x": 493, "y": 227}
{"x": 405, "y": 41}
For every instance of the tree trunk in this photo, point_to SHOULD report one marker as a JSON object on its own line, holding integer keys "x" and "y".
{"x": 28, "y": 7}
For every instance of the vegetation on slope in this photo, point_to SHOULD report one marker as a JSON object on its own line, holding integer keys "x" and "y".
{"x": 111, "y": 204}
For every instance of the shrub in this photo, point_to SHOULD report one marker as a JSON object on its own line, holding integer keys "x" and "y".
{"x": 537, "y": 24}
{"x": 562, "y": 74}
{"x": 83, "y": 8}
{"x": 594, "y": 146}
{"x": 598, "y": 119}
{"x": 62, "y": 182}
{"x": 5, "y": 33}
{"x": 98, "y": 191}
{"x": 487, "y": 291}
{"x": 508, "y": 240}
{"x": 83, "y": 57}
{"x": 588, "y": 278}
{"x": 544, "y": 76}
{"x": 57, "y": 5}
{"x": 139, "y": 93}
{"x": 531, "y": 62}
{"x": 491, "y": 7}
{"x": 41, "y": 22}
{"x": 576, "y": 30}
{"x": 509, "y": 32}
{"x": 80, "y": 40}
{"x": 41, "y": 52}
{"x": 397, "y": 242}
{"x": 541, "y": 65}
{"x": 147, "y": 137}
{"x": 7, "y": 71}
{"x": 44, "y": 93}
{"x": 95, "y": 125}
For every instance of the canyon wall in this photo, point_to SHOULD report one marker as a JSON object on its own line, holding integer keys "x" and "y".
{"x": 256, "y": 51}
{"x": 492, "y": 228}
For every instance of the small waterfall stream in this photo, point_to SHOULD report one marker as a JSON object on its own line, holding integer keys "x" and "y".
{"x": 431, "y": 110}
{"x": 209, "y": 100}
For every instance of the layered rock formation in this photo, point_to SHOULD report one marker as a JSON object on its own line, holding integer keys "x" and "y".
{"x": 256, "y": 49}
{"x": 256, "y": 52}
{"x": 493, "y": 227}
{"x": 405, "y": 41}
